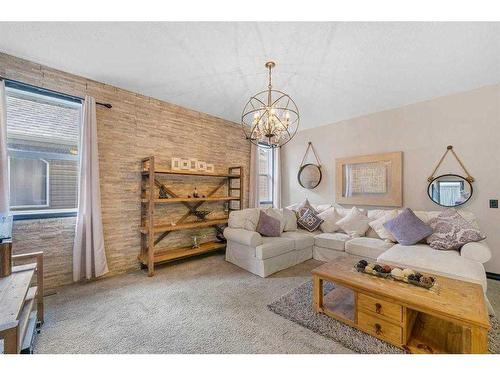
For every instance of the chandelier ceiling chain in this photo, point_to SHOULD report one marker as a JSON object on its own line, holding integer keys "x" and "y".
{"x": 270, "y": 118}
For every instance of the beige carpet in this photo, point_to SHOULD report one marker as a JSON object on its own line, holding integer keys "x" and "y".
{"x": 204, "y": 305}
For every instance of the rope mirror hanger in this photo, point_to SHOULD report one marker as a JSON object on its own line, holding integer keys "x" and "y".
{"x": 309, "y": 175}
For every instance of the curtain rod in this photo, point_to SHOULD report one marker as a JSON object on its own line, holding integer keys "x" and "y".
{"x": 107, "y": 105}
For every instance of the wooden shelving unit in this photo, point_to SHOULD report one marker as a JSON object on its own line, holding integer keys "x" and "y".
{"x": 153, "y": 233}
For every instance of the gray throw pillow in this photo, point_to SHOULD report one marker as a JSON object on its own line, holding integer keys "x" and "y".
{"x": 309, "y": 221}
{"x": 407, "y": 228}
{"x": 452, "y": 231}
{"x": 268, "y": 226}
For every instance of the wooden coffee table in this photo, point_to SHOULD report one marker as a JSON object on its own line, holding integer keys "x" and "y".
{"x": 450, "y": 318}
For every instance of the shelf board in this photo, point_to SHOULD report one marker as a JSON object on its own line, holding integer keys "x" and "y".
{"x": 188, "y": 173}
{"x": 196, "y": 224}
{"x": 176, "y": 200}
{"x": 165, "y": 255}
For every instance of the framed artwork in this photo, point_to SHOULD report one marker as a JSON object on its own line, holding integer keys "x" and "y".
{"x": 193, "y": 164}
{"x": 175, "y": 164}
{"x": 202, "y": 166}
{"x": 185, "y": 164}
{"x": 373, "y": 180}
{"x": 210, "y": 168}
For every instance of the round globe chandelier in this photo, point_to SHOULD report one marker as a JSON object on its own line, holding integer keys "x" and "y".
{"x": 270, "y": 118}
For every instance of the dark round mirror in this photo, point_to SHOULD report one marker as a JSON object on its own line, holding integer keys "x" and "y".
{"x": 450, "y": 190}
{"x": 309, "y": 176}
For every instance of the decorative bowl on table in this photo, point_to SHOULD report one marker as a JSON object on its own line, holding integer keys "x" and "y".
{"x": 406, "y": 275}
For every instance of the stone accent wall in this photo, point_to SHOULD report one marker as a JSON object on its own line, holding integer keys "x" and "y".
{"x": 136, "y": 126}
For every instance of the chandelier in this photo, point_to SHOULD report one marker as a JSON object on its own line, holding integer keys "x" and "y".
{"x": 270, "y": 118}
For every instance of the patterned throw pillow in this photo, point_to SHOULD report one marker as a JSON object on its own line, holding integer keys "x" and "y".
{"x": 268, "y": 226}
{"x": 309, "y": 221}
{"x": 452, "y": 231}
{"x": 407, "y": 228}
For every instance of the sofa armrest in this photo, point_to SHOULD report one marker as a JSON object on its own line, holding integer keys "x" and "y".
{"x": 477, "y": 251}
{"x": 243, "y": 236}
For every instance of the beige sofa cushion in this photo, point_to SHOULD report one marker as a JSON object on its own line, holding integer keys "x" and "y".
{"x": 366, "y": 247}
{"x": 301, "y": 239}
{"x": 274, "y": 246}
{"x": 423, "y": 258}
{"x": 330, "y": 218}
{"x": 334, "y": 241}
{"x": 244, "y": 219}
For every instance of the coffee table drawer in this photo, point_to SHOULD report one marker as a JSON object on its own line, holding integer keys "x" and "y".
{"x": 380, "y": 328}
{"x": 380, "y": 307}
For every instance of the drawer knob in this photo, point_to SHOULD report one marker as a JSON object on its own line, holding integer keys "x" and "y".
{"x": 378, "y": 329}
{"x": 378, "y": 308}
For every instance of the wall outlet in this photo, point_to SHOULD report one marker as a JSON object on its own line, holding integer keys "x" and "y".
{"x": 493, "y": 203}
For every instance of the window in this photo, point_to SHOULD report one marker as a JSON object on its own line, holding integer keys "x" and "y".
{"x": 42, "y": 141}
{"x": 266, "y": 169}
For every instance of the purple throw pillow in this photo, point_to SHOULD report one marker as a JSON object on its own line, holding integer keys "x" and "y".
{"x": 268, "y": 226}
{"x": 407, "y": 228}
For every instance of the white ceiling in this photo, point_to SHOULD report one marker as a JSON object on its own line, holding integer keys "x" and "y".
{"x": 333, "y": 71}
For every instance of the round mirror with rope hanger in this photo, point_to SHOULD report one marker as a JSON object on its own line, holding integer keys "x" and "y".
{"x": 450, "y": 190}
{"x": 310, "y": 174}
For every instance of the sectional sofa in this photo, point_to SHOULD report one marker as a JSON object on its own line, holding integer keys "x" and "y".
{"x": 264, "y": 256}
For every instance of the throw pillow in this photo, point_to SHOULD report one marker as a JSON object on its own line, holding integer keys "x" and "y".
{"x": 407, "y": 228}
{"x": 290, "y": 220}
{"x": 452, "y": 231}
{"x": 330, "y": 218}
{"x": 305, "y": 204}
{"x": 309, "y": 221}
{"x": 268, "y": 226}
{"x": 355, "y": 223}
{"x": 277, "y": 214}
{"x": 378, "y": 225}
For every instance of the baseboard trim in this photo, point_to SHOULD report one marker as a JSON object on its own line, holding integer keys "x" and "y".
{"x": 494, "y": 276}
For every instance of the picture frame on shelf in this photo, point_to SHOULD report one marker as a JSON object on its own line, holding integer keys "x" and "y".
{"x": 202, "y": 166}
{"x": 210, "y": 168}
{"x": 185, "y": 164}
{"x": 193, "y": 164}
{"x": 175, "y": 164}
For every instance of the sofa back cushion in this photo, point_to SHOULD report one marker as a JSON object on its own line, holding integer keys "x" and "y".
{"x": 268, "y": 226}
{"x": 244, "y": 219}
{"x": 289, "y": 219}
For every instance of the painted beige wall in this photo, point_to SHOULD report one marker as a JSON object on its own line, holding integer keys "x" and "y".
{"x": 470, "y": 121}
{"x": 136, "y": 126}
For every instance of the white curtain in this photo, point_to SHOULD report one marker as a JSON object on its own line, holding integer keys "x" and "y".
{"x": 4, "y": 161}
{"x": 89, "y": 257}
{"x": 277, "y": 178}
{"x": 253, "y": 199}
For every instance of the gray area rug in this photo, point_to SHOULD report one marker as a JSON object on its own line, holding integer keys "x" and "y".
{"x": 296, "y": 306}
